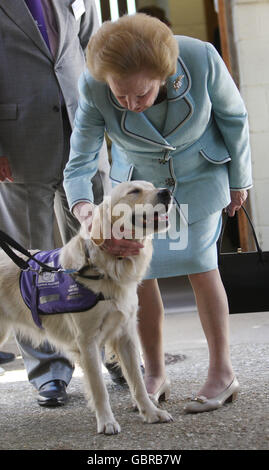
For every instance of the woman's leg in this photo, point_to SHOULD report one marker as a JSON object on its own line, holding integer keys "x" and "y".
{"x": 150, "y": 329}
{"x": 213, "y": 310}
{"x": 214, "y": 315}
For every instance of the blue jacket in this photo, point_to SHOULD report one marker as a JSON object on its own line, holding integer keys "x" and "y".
{"x": 204, "y": 150}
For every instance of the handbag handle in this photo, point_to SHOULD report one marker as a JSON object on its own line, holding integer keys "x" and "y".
{"x": 259, "y": 250}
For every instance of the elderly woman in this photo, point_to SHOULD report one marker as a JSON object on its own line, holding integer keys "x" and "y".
{"x": 176, "y": 119}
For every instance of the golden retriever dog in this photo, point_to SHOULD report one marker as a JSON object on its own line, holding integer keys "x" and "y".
{"x": 111, "y": 321}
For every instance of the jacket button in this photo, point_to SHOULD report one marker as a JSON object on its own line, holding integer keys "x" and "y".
{"x": 170, "y": 181}
{"x": 56, "y": 109}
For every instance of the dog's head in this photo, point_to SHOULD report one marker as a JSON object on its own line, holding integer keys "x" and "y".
{"x": 133, "y": 210}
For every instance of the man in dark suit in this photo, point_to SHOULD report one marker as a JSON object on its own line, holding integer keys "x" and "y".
{"x": 42, "y": 45}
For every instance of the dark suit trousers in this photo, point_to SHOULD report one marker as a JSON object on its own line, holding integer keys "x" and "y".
{"x": 27, "y": 213}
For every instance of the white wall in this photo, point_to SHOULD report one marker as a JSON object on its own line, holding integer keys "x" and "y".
{"x": 251, "y": 29}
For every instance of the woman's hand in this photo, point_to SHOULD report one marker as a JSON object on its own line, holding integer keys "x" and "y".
{"x": 121, "y": 247}
{"x": 83, "y": 211}
{"x": 237, "y": 199}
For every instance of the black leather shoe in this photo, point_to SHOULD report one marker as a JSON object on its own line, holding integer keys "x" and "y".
{"x": 52, "y": 393}
{"x": 6, "y": 357}
{"x": 116, "y": 374}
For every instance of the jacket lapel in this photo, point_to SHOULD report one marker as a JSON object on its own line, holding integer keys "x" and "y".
{"x": 19, "y": 13}
{"x": 180, "y": 109}
{"x": 138, "y": 126}
{"x": 61, "y": 14}
{"x": 180, "y": 104}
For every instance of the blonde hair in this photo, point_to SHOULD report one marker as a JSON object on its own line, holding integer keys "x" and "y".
{"x": 132, "y": 44}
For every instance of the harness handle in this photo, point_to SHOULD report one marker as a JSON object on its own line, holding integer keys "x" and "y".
{"x": 6, "y": 242}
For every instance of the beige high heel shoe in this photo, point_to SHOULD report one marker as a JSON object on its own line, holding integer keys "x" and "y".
{"x": 200, "y": 404}
{"x": 162, "y": 394}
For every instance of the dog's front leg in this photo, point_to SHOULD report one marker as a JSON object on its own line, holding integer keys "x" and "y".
{"x": 127, "y": 350}
{"x": 96, "y": 391}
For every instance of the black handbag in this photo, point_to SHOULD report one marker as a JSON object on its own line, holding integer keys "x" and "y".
{"x": 245, "y": 276}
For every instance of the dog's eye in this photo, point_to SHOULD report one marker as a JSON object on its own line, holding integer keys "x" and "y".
{"x": 135, "y": 191}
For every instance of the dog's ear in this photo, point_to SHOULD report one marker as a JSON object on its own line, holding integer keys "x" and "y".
{"x": 101, "y": 223}
{"x": 73, "y": 254}
{"x": 96, "y": 233}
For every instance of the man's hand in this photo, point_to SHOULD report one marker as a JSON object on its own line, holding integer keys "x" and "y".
{"x": 237, "y": 199}
{"x": 5, "y": 171}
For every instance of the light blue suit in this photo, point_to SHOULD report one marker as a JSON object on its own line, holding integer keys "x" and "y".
{"x": 203, "y": 151}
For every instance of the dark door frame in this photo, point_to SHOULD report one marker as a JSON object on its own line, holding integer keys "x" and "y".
{"x": 230, "y": 58}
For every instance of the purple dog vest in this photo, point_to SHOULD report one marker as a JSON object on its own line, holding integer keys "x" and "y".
{"x": 50, "y": 293}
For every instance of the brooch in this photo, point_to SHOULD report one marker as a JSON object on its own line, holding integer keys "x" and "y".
{"x": 178, "y": 82}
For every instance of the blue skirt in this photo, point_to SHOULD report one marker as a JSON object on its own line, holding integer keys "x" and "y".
{"x": 195, "y": 250}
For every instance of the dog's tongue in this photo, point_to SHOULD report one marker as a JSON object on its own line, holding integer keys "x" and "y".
{"x": 161, "y": 217}
{"x": 156, "y": 217}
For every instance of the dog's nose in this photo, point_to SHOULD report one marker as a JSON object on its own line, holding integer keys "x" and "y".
{"x": 164, "y": 196}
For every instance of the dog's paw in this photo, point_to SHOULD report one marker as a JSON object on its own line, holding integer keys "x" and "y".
{"x": 109, "y": 427}
{"x": 157, "y": 416}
